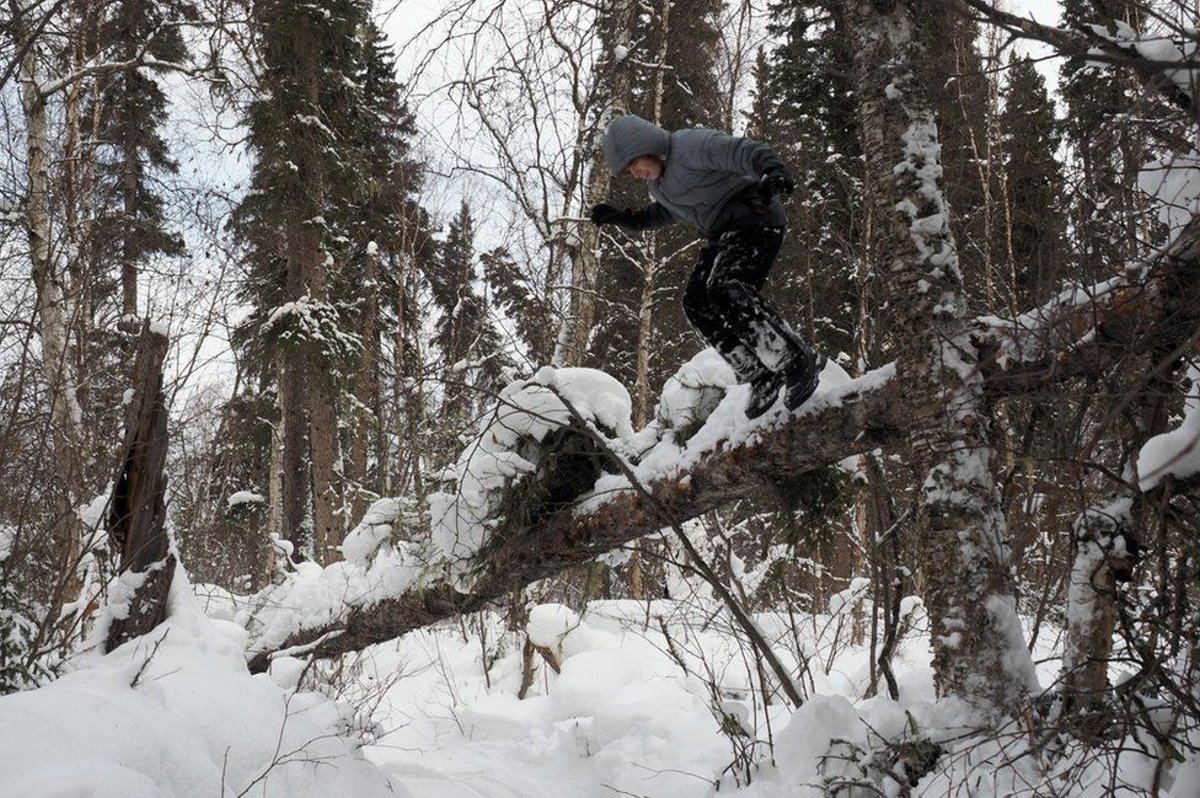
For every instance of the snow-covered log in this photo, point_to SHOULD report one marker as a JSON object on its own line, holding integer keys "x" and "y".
{"x": 719, "y": 467}
{"x": 723, "y": 463}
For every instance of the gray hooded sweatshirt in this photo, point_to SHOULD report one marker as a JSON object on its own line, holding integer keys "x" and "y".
{"x": 709, "y": 178}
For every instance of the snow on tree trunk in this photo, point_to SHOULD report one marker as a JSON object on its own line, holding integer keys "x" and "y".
{"x": 1091, "y": 610}
{"x": 979, "y": 653}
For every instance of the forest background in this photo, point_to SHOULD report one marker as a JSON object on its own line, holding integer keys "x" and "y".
{"x": 346, "y": 247}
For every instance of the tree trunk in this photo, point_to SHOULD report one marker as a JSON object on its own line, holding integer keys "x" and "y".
{"x": 1091, "y": 609}
{"x": 137, "y": 513}
{"x": 53, "y": 320}
{"x": 525, "y": 550}
{"x": 325, "y": 453}
{"x": 293, "y": 458}
{"x": 366, "y": 394}
{"x": 576, "y": 328}
{"x": 979, "y": 654}
{"x": 879, "y": 416}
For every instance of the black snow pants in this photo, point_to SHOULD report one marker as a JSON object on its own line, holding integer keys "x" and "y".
{"x": 721, "y": 301}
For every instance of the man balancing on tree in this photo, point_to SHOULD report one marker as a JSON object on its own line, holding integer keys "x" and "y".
{"x": 729, "y": 188}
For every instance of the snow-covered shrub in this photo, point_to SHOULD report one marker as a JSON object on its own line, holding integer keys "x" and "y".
{"x": 20, "y": 667}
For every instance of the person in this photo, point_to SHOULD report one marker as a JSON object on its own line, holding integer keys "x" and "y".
{"x": 728, "y": 187}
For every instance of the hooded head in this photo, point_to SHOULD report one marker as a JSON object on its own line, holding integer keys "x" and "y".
{"x": 629, "y": 136}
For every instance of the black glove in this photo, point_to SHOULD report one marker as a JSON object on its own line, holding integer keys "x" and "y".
{"x": 776, "y": 180}
{"x": 608, "y": 214}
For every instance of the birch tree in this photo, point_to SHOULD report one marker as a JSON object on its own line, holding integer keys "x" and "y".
{"x": 979, "y": 653}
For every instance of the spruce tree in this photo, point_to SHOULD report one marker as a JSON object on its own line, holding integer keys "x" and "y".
{"x": 1106, "y": 147}
{"x": 387, "y": 237}
{"x": 129, "y": 109}
{"x": 806, "y": 107}
{"x": 303, "y": 130}
{"x": 674, "y": 85}
{"x": 953, "y": 68}
{"x": 467, "y": 340}
{"x": 1033, "y": 187}
{"x": 119, "y": 216}
{"x": 515, "y": 295}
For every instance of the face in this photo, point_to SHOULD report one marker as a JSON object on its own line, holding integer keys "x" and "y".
{"x": 644, "y": 167}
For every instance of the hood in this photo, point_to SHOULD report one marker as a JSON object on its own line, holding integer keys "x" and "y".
{"x": 629, "y": 136}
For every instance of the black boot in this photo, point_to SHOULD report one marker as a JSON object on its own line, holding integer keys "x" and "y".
{"x": 802, "y": 375}
{"x": 764, "y": 390}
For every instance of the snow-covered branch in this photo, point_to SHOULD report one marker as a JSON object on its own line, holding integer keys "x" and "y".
{"x": 1164, "y": 64}
{"x": 1086, "y": 329}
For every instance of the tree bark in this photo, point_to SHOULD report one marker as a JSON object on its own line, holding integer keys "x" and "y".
{"x": 576, "y": 329}
{"x": 979, "y": 654}
{"x": 366, "y": 394}
{"x": 1091, "y": 605}
{"x": 53, "y": 317}
{"x": 137, "y": 515}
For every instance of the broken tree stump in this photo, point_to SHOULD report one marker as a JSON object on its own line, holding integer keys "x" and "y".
{"x": 137, "y": 511}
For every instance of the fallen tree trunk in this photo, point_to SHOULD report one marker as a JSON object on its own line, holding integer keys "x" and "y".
{"x": 542, "y": 546}
{"x": 1152, "y": 309}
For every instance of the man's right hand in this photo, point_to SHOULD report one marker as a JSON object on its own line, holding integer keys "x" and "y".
{"x": 607, "y": 214}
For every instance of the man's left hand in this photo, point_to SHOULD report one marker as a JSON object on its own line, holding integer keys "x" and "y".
{"x": 777, "y": 181}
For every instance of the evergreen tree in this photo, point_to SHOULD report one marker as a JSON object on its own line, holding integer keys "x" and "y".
{"x": 388, "y": 237}
{"x": 514, "y": 294}
{"x": 1106, "y": 145}
{"x": 962, "y": 102}
{"x": 806, "y": 107}
{"x": 1035, "y": 223}
{"x": 469, "y": 343}
{"x": 117, "y": 219}
{"x": 303, "y": 130}
{"x": 21, "y": 666}
{"x": 129, "y": 109}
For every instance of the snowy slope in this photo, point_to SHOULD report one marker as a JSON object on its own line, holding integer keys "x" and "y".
{"x": 178, "y": 714}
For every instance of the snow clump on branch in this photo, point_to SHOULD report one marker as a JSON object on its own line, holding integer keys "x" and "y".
{"x": 508, "y": 449}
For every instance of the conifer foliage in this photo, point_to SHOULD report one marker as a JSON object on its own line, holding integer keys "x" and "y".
{"x": 325, "y": 118}
{"x": 1030, "y": 137}
{"x": 469, "y": 343}
{"x": 130, "y": 108}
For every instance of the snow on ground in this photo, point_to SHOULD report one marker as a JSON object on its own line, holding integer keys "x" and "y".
{"x": 178, "y": 714}
{"x": 624, "y": 717}
{"x": 653, "y": 699}
{"x": 634, "y": 711}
